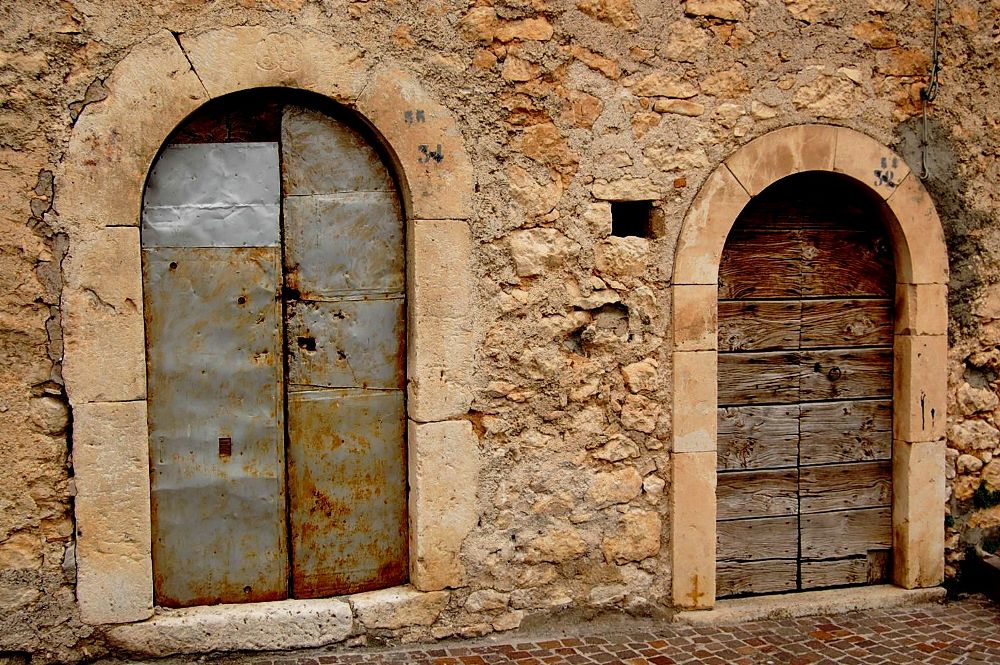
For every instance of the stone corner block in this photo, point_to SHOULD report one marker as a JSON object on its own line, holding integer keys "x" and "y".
{"x": 288, "y": 624}
{"x": 103, "y": 326}
{"x": 114, "y": 141}
{"x": 239, "y": 58}
{"x": 444, "y": 477}
{"x": 695, "y": 401}
{"x": 918, "y": 509}
{"x": 706, "y": 227}
{"x": 438, "y": 177}
{"x": 111, "y": 467}
{"x": 920, "y": 384}
{"x": 866, "y": 160}
{"x": 784, "y": 152}
{"x": 692, "y": 534}
{"x": 921, "y": 309}
{"x": 695, "y": 317}
{"x": 440, "y": 349}
{"x": 917, "y": 237}
{"x": 399, "y": 607}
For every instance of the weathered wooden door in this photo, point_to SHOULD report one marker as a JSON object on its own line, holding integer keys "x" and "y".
{"x": 806, "y": 289}
{"x": 273, "y": 265}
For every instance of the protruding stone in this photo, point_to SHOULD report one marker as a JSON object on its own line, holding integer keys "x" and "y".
{"x": 622, "y": 256}
{"x": 536, "y": 251}
{"x": 641, "y": 376}
{"x": 556, "y": 546}
{"x": 637, "y": 538}
{"x": 727, "y": 10}
{"x": 398, "y": 607}
{"x": 662, "y": 84}
{"x": 614, "y": 487}
{"x": 640, "y": 413}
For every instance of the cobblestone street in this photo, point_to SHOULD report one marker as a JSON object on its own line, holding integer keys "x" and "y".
{"x": 959, "y": 631}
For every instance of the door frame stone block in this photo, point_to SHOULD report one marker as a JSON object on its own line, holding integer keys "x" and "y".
{"x": 920, "y": 347}
{"x": 99, "y": 198}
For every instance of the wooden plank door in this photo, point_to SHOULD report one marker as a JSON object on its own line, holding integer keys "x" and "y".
{"x": 806, "y": 289}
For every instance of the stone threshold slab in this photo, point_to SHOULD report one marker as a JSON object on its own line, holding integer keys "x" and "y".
{"x": 809, "y": 603}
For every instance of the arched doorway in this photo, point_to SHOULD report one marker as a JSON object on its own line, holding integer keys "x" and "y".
{"x": 919, "y": 347}
{"x": 274, "y": 297}
{"x": 806, "y": 290}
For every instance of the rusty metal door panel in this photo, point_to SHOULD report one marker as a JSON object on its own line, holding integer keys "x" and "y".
{"x": 216, "y": 424}
{"x": 347, "y": 488}
{"x": 344, "y": 243}
{"x": 213, "y": 195}
{"x": 347, "y": 343}
{"x": 322, "y": 155}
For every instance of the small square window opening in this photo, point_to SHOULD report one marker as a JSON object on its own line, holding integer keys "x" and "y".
{"x": 632, "y": 218}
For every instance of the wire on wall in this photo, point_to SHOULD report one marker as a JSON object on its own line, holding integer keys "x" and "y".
{"x": 929, "y": 93}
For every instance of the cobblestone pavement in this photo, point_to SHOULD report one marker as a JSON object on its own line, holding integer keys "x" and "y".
{"x": 959, "y": 631}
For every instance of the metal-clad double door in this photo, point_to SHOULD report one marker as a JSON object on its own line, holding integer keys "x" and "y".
{"x": 274, "y": 298}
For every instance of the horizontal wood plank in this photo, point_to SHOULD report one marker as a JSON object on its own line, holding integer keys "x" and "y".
{"x": 763, "y": 538}
{"x": 759, "y": 263}
{"x": 872, "y": 569}
{"x": 756, "y": 494}
{"x": 759, "y": 326}
{"x": 847, "y": 263}
{"x": 833, "y": 432}
{"x": 845, "y": 533}
{"x": 734, "y": 579}
{"x": 845, "y": 374}
{"x": 754, "y": 378}
{"x": 828, "y": 323}
{"x": 758, "y": 437}
{"x": 845, "y": 486}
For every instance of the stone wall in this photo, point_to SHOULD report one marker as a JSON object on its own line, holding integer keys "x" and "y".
{"x": 565, "y": 105}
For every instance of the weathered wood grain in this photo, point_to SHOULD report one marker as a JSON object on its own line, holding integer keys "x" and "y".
{"x": 828, "y": 323}
{"x": 764, "y": 538}
{"x": 738, "y": 578}
{"x": 758, "y": 437}
{"x": 845, "y": 486}
{"x": 759, "y": 377}
{"x": 760, "y": 264}
{"x": 759, "y": 326}
{"x": 845, "y": 374}
{"x": 832, "y": 432}
{"x": 845, "y": 533}
{"x": 846, "y": 263}
{"x": 872, "y": 569}
{"x": 756, "y": 493}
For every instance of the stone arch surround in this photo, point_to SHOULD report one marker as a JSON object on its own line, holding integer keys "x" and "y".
{"x": 99, "y": 194}
{"x": 920, "y": 347}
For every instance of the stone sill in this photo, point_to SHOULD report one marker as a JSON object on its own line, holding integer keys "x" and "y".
{"x": 809, "y": 603}
{"x": 278, "y": 625}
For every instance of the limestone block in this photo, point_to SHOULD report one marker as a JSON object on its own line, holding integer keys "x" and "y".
{"x": 103, "y": 328}
{"x": 814, "y": 11}
{"x": 637, "y": 538}
{"x": 966, "y": 464}
{"x": 114, "y": 141}
{"x": 692, "y": 532}
{"x": 556, "y": 546}
{"x": 921, "y": 309}
{"x": 640, "y": 413}
{"x": 974, "y": 400}
{"x": 297, "y": 624}
{"x": 641, "y": 376}
{"x": 613, "y": 487}
{"x": 625, "y": 189}
{"x": 866, "y": 160}
{"x": 727, "y": 10}
{"x": 661, "y": 84}
{"x": 437, "y": 172}
{"x": 783, "y": 152}
{"x": 444, "y": 476}
{"x": 918, "y": 497}
{"x": 696, "y": 320}
{"x": 973, "y": 436}
{"x": 509, "y": 620}
{"x": 536, "y": 251}
{"x": 679, "y": 106}
{"x": 918, "y": 243}
{"x": 706, "y": 226}
{"x": 486, "y": 600}
{"x": 398, "y": 607}
{"x": 920, "y": 382}
{"x": 111, "y": 463}
{"x": 622, "y": 256}
{"x": 246, "y": 57}
{"x": 439, "y": 349}
{"x": 695, "y": 400}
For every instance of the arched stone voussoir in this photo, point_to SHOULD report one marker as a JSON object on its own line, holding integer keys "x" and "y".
{"x": 784, "y": 152}
{"x": 115, "y": 140}
{"x": 232, "y": 59}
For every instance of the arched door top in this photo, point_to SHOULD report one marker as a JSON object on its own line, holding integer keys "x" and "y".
{"x": 919, "y": 356}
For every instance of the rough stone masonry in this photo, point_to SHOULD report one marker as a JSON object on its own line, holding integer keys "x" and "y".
{"x": 565, "y": 106}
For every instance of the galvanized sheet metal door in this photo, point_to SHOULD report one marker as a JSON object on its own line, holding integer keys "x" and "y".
{"x": 345, "y": 322}
{"x": 211, "y": 264}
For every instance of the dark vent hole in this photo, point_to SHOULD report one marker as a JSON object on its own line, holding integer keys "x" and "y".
{"x": 307, "y": 343}
{"x": 632, "y": 218}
